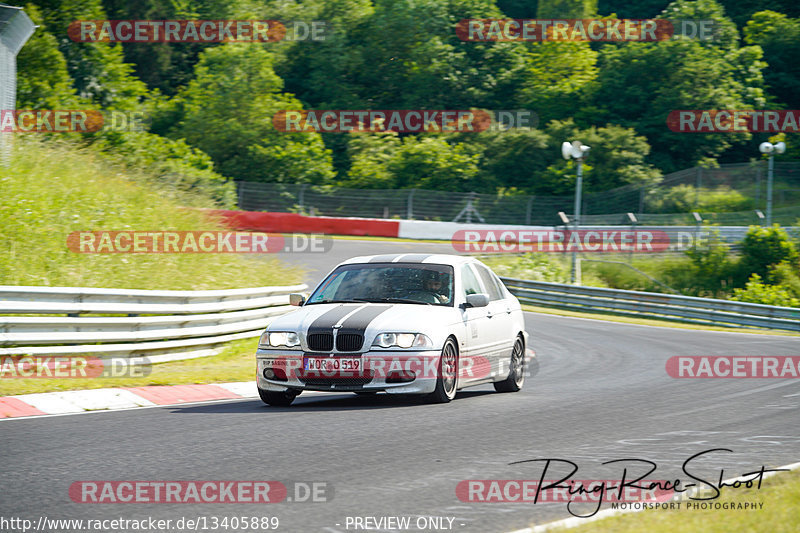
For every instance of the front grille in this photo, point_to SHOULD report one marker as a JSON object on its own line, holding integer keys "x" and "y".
{"x": 320, "y": 342}
{"x": 321, "y": 381}
{"x": 349, "y": 342}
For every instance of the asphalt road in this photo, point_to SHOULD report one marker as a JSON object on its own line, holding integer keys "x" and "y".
{"x": 602, "y": 393}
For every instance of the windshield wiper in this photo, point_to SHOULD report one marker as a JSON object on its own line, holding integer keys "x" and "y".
{"x": 398, "y": 301}
{"x": 348, "y": 301}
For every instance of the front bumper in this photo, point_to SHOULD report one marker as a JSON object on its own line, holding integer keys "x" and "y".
{"x": 378, "y": 369}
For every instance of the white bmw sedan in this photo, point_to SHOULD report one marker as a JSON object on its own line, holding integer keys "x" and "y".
{"x": 402, "y": 324}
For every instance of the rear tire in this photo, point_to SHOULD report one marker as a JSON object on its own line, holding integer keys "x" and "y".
{"x": 278, "y": 398}
{"x": 516, "y": 374}
{"x": 447, "y": 380}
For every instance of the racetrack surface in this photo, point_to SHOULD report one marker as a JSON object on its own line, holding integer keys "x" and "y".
{"x": 602, "y": 393}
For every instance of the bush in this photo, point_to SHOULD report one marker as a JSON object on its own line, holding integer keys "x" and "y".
{"x": 710, "y": 271}
{"x": 686, "y": 198}
{"x": 760, "y": 293}
{"x": 764, "y": 247}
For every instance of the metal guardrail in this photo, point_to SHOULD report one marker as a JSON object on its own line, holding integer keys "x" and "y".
{"x": 650, "y": 304}
{"x": 182, "y": 325}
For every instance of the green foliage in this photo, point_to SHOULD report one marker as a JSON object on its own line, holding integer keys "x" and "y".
{"x": 227, "y": 112}
{"x": 566, "y": 9}
{"x": 760, "y": 293}
{"x": 641, "y": 9}
{"x": 42, "y": 78}
{"x": 710, "y": 271}
{"x": 686, "y": 198}
{"x": 512, "y": 158}
{"x": 98, "y": 71}
{"x": 553, "y": 268}
{"x": 381, "y": 160}
{"x": 779, "y": 37}
{"x": 763, "y": 248}
{"x": 617, "y": 158}
{"x": 171, "y": 165}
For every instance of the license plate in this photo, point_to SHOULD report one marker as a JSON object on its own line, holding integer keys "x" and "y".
{"x": 332, "y": 364}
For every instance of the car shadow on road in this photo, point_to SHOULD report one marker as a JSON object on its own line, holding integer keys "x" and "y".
{"x": 332, "y": 402}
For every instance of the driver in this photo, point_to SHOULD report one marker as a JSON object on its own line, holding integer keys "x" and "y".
{"x": 432, "y": 283}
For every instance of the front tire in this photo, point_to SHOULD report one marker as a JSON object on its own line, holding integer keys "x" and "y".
{"x": 278, "y": 398}
{"x": 516, "y": 374}
{"x": 447, "y": 380}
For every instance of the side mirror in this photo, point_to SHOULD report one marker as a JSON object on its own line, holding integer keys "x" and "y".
{"x": 297, "y": 298}
{"x": 477, "y": 300}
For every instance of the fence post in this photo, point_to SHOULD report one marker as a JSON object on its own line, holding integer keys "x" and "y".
{"x": 528, "y": 211}
{"x": 410, "y": 205}
{"x": 300, "y": 198}
{"x": 699, "y": 183}
{"x": 15, "y": 29}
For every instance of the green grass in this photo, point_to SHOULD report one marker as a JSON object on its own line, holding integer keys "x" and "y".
{"x": 54, "y": 188}
{"x": 780, "y": 513}
{"x": 235, "y": 363}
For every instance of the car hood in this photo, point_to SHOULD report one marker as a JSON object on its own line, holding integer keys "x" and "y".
{"x": 369, "y": 319}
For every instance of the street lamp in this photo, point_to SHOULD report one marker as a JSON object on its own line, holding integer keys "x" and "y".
{"x": 771, "y": 149}
{"x": 577, "y": 151}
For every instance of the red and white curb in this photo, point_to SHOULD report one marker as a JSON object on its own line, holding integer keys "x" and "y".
{"x": 82, "y": 401}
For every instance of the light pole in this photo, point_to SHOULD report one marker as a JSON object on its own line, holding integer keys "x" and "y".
{"x": 771, "y": 149}
{"x": 576, "y": 150}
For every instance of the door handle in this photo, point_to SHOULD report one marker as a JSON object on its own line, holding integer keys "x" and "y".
{"x": 488, "y": 314}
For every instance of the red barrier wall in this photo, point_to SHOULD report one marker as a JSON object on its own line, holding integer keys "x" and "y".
{"x": 294, "y": 223}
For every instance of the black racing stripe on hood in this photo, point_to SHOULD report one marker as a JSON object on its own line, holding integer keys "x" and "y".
{"x": 386, "y": 258}
{"x": 325, "y": 322}
{"x": 360, "y": 320}
{"x": 414, "y": 258}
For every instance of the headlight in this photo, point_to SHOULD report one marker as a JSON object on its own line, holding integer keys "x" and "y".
{"x": 274, "y": 339}
{"x": 403, "y": 340}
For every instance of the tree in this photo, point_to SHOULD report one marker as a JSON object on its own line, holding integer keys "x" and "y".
{"x": 227, "y": 112}
{"x": 42, "y": 78}
{"x": 779, "y": 37}
{"x": 98, "y": 70}
{"x": 382, "y": 160}
{"x": 618, "y": 157}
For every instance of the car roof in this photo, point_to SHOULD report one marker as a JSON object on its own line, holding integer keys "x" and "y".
{"x": 440, "y": 259}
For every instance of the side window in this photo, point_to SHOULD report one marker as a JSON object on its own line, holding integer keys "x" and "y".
{"x": 488, "y": 281}
{"x": 469, "y": 281}
{"x": 500, "y": 285}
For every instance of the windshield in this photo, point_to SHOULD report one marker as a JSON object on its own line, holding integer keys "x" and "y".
{"x": 387, "y": 282}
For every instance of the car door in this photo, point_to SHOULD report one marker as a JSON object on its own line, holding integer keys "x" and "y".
{"x": 500, "y": 334}
{"x": 475, "y": 359}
